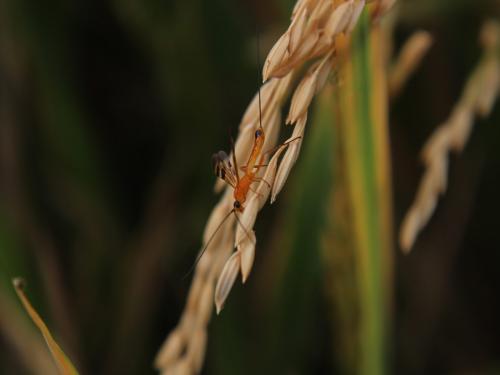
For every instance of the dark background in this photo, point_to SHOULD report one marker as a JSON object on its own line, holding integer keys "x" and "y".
{"x": 109, "y": 112}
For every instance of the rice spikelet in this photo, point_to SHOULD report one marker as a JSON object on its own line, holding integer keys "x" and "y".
{"x": 412, "y": 53}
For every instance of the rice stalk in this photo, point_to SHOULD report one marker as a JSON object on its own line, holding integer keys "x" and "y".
{"x": 477, "y": 99}
{"x": 312, "y": 35}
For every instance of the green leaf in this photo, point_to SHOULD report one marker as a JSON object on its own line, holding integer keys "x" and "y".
{"x": 364, "y": 169}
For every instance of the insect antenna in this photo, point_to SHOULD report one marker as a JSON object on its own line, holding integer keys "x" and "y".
{"x": 259, "y": 77}
{"x": 235, "y": 161}
{"x": 212, "y": 236}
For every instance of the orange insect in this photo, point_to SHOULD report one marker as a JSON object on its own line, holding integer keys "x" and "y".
{"x": 230, "y": 174}
{"x": 241, "y": 185}
{"x": 225, "y": 171}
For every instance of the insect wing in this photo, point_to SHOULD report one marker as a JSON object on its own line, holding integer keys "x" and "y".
{"x": 223, "y": 168}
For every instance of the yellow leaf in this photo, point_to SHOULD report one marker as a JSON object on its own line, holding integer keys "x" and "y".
{"x": 62, "y": 361}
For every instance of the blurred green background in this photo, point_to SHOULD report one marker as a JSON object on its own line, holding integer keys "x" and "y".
{"x": 109, "y": 113}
